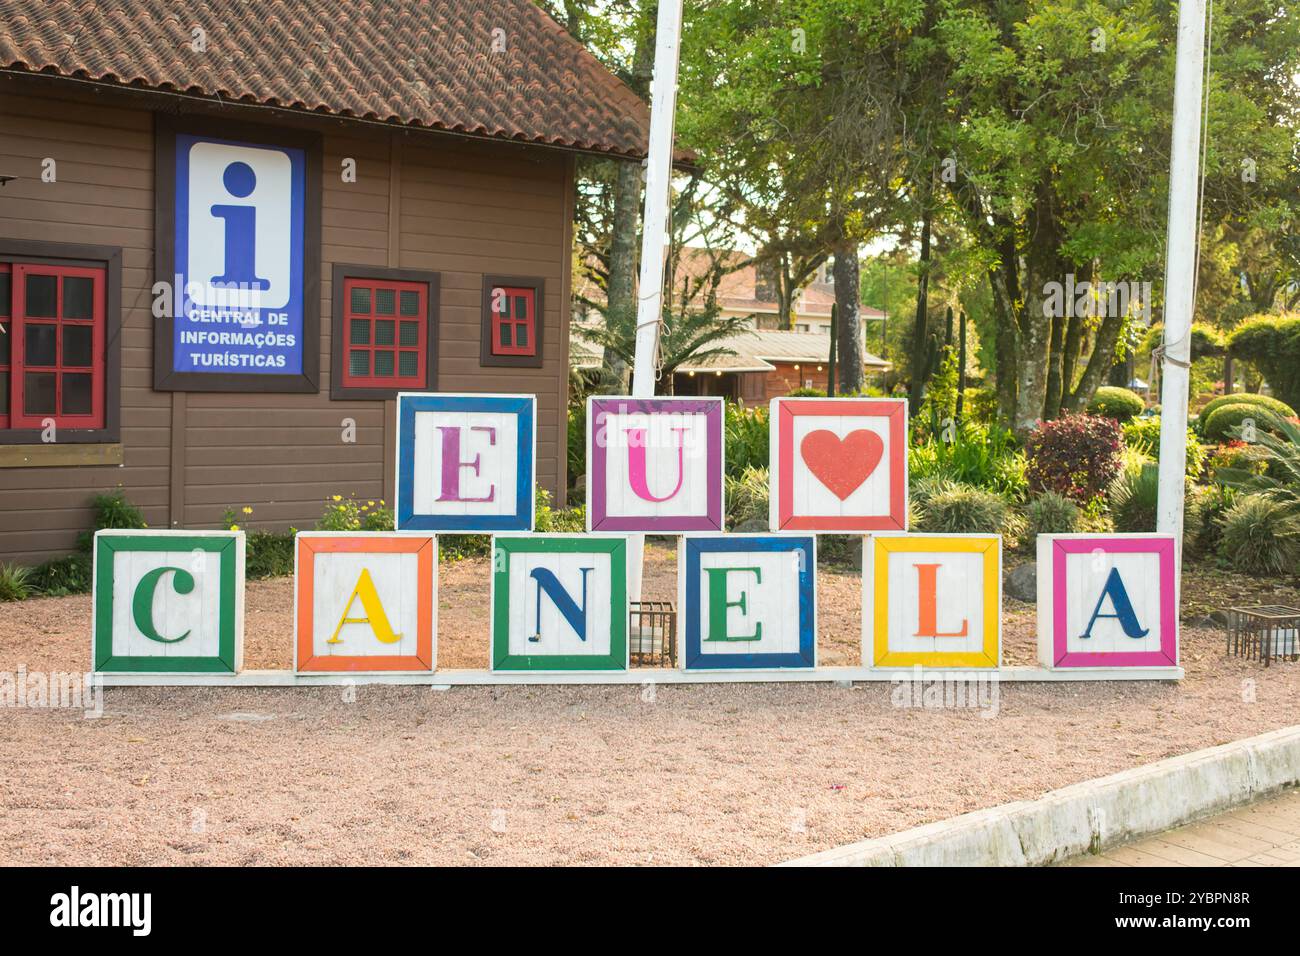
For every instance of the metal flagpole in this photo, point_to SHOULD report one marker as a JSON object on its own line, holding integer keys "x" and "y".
{"x": 1180, "y": 264}
{"x": 654, "y": 238}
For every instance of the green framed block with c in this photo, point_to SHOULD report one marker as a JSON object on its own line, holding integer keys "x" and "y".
{"x": 559, "y": 602}
{"x": 168, "y": 602}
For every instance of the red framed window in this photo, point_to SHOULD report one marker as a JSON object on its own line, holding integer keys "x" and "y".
{"x": 386, "y": 326}
{"x": 514, "y": 320}
{"x": 52, "y": 345}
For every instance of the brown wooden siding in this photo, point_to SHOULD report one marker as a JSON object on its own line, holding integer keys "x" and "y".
{"x": 422, "y": 202}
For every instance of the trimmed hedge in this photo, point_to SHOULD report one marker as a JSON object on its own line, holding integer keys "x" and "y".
{"x": 1220, "y": 422}
{"x": 1248, "y": 398}
{"x": 1120, "y": 404}
{"x": 1272, "y": 344}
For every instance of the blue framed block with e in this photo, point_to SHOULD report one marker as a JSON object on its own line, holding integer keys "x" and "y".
{"x": 747, "y": 601}
{"x": 465, "y": 463}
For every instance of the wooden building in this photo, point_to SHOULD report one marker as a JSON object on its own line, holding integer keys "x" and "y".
{"x": 231, "y": 233}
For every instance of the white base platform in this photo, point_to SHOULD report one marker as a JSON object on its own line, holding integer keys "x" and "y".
{"x": 640, "y": 675}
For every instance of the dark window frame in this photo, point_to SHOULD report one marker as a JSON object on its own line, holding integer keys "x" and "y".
{"x": 165, "y": 130}
{"x": 339, "y": 275}
{"x": 489, "y": 358}
{"x": 67, "y": 254}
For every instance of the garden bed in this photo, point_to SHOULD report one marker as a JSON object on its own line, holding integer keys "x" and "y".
{"x": 555, "y": 775}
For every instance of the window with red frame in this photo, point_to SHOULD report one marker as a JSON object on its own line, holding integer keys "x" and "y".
{"x": 387, "y": 333}
{"x": 51, "y": 345}
{"x": 514, "y": 322}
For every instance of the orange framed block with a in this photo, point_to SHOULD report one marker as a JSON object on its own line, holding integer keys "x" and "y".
{"x": 933, "y": 600}
{"x": 366, "y": 602}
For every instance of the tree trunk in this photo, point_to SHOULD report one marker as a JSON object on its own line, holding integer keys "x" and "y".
{"x": 621, "y": 289}
{"x": 1005, "y": 288}
{"x": 1055, "y": 368}
{"x": 831, "y": 360}
{"x": 1099, "y": 363}
{"x": 848, "y": 317}
{"x": 961, "y": 368}
{"x": 920, "y": 331}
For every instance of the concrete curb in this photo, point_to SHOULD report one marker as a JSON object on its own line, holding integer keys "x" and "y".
{"x": 1091, "y": 815}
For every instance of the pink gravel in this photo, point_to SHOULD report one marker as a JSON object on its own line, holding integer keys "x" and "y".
{"x": 731, "y": 774}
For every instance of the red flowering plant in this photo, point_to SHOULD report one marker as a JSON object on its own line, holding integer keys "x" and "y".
{"x": 1077, "y": 456}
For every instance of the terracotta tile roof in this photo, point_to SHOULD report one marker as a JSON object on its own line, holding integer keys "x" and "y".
{"x": 424, "y": 63}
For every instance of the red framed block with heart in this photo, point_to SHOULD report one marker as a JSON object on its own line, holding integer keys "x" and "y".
{"x": 838, "y": 464}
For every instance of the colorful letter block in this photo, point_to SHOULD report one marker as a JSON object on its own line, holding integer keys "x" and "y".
{"x": 933, "y": 600}
{"x": 838, "y": 464}
{"x": 465, "y": 463}
{"x": 747, "y": 601}
{"x": 654, "y": 464}
{"x": 168, "y": 602}
{"x": 559, "y": 603}
{"x": 1107, "y": 600}
{"x": 366, "y": 601}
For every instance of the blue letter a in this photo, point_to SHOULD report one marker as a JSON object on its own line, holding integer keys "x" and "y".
{"x": 575, "y": 615}
{"x": 1123, "y": 607}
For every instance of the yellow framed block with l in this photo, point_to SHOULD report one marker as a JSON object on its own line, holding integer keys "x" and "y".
{"x": 932, "y": 600}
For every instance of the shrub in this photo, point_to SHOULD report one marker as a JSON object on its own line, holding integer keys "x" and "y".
{"x": 1051, "y": 513}
{"x": 746, "y": 438}
{"x": 70, "y": 574}
{"x": 550, "y": 520}
{"x": 15, "y": 582}
{"x": 922, "y": 489}
{"x": 1121, "y": 404}
{"x": 112, "y": 510}
{"x": 1219, "y": 424}
{"x": 1260, "y": 536}
{"x": 1272, "y": 344}
{"x": 803, "y": 392}
{"x": 1076, "y": 456}
{"x": 1212, "y": 503}
{"x": 576, "y": 441}
{"x": 1144, "y": 435}
{"x": 966, "y": 510}
{"x": 268, "y": 554}
{"x": 747, "y": 500}
{"x": 350, "y": 514}
{"x": 984, "y": 456}
{"x": 1135, "y": 497}
{"x": 1282, "y": 409}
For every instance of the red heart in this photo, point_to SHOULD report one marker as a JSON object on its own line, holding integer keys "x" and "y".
{"x": 842, "y": 464}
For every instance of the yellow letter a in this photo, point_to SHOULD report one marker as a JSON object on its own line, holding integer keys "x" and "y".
{"x": 375, "y": 615}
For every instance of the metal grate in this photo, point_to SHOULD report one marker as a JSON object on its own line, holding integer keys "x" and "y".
{"x": 1266, "y": 632}
{"x": 652, "y": 633}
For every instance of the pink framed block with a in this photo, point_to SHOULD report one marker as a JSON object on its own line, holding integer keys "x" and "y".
{"x": 1107, "y": 600}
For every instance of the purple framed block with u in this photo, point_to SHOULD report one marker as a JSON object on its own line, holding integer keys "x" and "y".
{"x": 1107, "y": 600}
{"x": 654, "y": 464}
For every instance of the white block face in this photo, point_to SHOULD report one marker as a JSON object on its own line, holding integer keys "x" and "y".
{"x": 466, "y": 463}
{"x": 552, "y": 635}
{"x": 682, "y": 487}
{"x": 396, "y": 580}
{"x": 1085, "y": 582}
{"x": 772, "y": 604}
{"x": 958, "y": 603}
{"x": 198, "y": 612}
{"x": 835, "y": 440}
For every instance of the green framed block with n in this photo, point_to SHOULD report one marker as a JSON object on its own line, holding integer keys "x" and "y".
{"x": 559, "y": 602}
{"x": 168, "y": 602}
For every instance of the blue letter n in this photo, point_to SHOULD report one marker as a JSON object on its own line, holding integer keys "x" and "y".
{"x": 575, "y": 615}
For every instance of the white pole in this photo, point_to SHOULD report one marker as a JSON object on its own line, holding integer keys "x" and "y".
{"x": 654, "y": 237}
{"x": 1180, "y": 264}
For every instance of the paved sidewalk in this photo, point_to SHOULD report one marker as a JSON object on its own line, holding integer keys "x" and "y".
{"x": 1266, "y": 833}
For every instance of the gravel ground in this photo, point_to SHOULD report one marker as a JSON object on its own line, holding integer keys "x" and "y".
{"x": 735, "y": 774}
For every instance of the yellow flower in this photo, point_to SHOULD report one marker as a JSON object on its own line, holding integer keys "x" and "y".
{"x": 234, "y": 527}
{"x": 338, "y": 497}
{"x": 370, "y": 504}
{"x": 248, "y": 509}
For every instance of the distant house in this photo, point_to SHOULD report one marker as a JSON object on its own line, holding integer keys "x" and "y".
{"x": 768, "y": 362}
